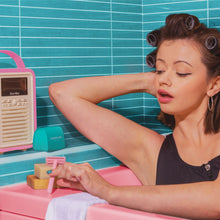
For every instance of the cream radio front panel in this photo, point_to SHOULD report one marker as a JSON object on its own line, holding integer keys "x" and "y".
{"x": 17, "y": 112}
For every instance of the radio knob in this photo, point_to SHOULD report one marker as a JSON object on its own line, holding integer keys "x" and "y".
{"x": 13, "y": 102}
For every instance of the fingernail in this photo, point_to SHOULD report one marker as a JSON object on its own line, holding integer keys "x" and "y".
{"x": 49, "y": 171}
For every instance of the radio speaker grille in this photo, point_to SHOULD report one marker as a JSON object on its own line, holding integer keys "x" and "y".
{"x": 16, "y": 126}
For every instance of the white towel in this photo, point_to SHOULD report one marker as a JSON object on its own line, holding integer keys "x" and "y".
{"x": 71, "y": 207}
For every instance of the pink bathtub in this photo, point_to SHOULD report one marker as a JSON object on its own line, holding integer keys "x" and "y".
{"x": 21, "y": 202}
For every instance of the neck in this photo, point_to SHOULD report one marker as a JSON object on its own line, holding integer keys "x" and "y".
{"x": 191, "y": 126}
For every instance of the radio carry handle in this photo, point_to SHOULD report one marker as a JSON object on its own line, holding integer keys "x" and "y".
{"x": 19, "y": 62}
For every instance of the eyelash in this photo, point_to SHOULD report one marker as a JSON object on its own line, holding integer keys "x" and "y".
{"x": 183, "y": 74}
{"x": 159, "y": 72}
{"x": 179, "y": 74}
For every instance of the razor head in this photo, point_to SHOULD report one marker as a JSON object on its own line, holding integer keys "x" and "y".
{"x": 57, "y": 160}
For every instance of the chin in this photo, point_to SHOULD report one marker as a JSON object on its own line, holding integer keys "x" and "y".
{"x": 167, "y": 110}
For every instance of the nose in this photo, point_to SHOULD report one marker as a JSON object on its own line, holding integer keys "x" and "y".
{"x": 165, "y": 78}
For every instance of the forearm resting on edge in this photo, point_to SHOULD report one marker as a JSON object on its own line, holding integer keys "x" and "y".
{"x": 194, "y": 201}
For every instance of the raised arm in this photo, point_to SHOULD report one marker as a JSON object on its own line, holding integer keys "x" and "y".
{"x": 131, "y": 143}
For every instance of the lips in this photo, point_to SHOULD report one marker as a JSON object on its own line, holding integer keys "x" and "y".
{"x": 164, "y": 96}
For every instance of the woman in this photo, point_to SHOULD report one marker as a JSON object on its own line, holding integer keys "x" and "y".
{"x": 179, "y": 173}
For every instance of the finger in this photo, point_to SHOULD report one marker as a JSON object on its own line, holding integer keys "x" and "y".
{"x": 55, "y": 172}
{"x": 68, "y": 171}
{"x": 74, "y": 172}
{"x": 69, "y": 184}
{"x": 60, "y": 170}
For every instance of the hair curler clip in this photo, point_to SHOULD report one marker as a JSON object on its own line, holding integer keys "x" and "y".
{"x": 190, "y": 23}
{"x": 153, "y": 38}
{"x": 211, "y": 42}
{"x": 151, "y": 59}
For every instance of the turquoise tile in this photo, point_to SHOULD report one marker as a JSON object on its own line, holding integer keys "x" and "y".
{"x": 139, "y": 2}
{"x": 127, "y": 69}
{"x": 42, "y": 91}
{"x": 133, "y": 103}
{"x": 137, "y": 34}
{"x": 105, "y": 163}
{"x": 127, "y": 51}
{"x": 214, "y": 4}
{"x": 68, "y": 5}
{"x": 214, "y": 23}
{"x": 9, "y": 21}
{"x": 127, "y": 43}
{"x": 179, "y": 6}
{"x": 151, "y": 103}
{"x": 126, "y": 8}
{"x": 103, "y": 1}
{"x": 129, "y": 17}
{"x": 131, "y": 111}
{"x": 153, "y": 17}
{"x": 6, "y": 61}
{"x": 214, "y": 12}
{"x": 73, "y": 72}
{"x": 9, "y": 42}
{"x": 153, "y": 2}
{"x": 126, "y": 25}
{"x": 136, "y": 118}
{"x": 68, "y": 32}
{"x": 10, "y": 2}
{"x": 59, "y": 42}
{"x": 148, "y": 26}
{"x": 127, "y": 61}
{"x": 129, "y": 96}
{"x": 9, "y": 31}
{"x": 9, "y": 10}
{"x": 75, "y": 61}
{"x": 62, "y": 13}
{"x": 54, "y": 52}
{"x": 77, "y": 141}
{"x": 51, "y": 120}
{"x": 65, "y": 23}
{"x": 45, "y": 106}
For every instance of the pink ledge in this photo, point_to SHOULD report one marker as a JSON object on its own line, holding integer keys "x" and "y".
{"x": 21, "y": 202}
{"x": 110, "y": 212}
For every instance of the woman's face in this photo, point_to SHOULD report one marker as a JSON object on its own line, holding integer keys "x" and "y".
{"x": 181, "y": 80}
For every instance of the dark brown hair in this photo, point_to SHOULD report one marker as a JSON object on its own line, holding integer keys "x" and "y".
{"x": 185, "y": 26}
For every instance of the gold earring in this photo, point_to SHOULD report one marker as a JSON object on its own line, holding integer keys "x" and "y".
{"x": 211, "y": 104}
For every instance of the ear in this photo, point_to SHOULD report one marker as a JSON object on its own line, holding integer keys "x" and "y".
{"x": 214, "y": 87}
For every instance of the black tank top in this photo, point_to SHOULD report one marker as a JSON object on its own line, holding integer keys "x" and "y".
{"x": 171, "y": 169}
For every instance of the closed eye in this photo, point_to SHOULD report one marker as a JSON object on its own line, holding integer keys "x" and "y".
{"x": 159, "y": 71}
{"x": 183, "y": 74}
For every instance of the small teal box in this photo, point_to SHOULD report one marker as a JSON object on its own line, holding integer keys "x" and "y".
{"x": 48, "y": 139}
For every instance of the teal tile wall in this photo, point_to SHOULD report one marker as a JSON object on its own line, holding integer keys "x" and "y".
{"x": 65, "y": 39}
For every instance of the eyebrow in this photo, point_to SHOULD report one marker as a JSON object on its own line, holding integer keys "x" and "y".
{"x": 183, "y": 61}
{"x": 176, "y": 62}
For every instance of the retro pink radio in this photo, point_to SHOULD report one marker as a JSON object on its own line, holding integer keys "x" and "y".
{"x": 18, "y": 106}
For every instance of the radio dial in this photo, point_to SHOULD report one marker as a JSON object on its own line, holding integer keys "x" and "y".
{"x": 13, "y": 102}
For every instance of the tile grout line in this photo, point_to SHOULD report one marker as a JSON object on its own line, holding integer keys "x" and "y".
{"x": 207, "y": 6}
{"x": 144, "y": 102}
{"x": 19, "y": 2}
{"x": 112, "y": 70}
